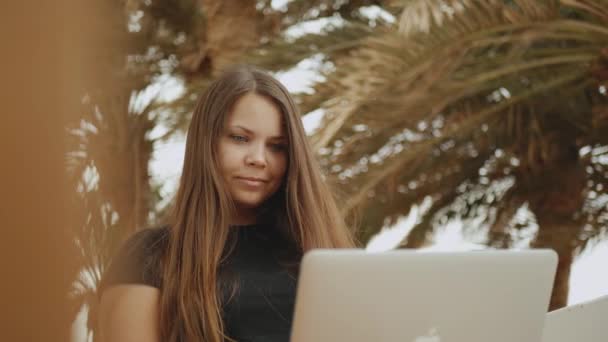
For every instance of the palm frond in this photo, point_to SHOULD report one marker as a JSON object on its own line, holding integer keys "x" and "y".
{"x": 528, "y": 45}
{"x": 597, "y": 8}
{"x": 284, "y": 53}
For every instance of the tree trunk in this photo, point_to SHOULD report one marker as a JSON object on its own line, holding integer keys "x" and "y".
{"x": 556, "y": 197}
{"x": 558, "y": 237}
{"x": 232, "y": 27}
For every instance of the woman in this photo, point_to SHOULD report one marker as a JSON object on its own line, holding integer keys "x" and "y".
{"x": 250, "y": 203}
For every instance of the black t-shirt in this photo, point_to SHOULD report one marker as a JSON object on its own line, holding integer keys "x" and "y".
{"x": 260, "y": 310}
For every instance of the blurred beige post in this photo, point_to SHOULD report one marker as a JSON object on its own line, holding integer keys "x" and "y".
{"x": 42, "y": 67}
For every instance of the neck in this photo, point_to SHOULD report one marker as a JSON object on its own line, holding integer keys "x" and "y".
{"x": 244, "y": 217}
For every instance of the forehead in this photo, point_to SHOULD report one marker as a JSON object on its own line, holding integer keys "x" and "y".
{"x": 257, "y": 113}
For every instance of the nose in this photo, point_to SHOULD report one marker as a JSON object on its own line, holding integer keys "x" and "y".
{"x": 256, "y": 156}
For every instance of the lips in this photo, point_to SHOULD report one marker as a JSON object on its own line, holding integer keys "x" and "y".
{"x": 252, "y": 183}
{"x": 253, "y": 179}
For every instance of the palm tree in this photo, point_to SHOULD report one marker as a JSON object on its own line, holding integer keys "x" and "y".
{"x": 252, "y": 31}
{"x": 484, "y": 106}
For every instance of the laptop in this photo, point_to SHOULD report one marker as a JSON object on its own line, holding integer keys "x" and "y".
{"x": 580, "y": 322}
{"x": 420, "y": 296}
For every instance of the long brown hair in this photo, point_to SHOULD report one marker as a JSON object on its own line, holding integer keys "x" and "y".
{"x": 303, "y": 208}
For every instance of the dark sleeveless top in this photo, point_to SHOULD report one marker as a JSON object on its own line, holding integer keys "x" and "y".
{"x": 261, "y": 308}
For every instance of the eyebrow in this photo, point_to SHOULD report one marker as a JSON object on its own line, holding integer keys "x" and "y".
{"x": 279, "y": 137}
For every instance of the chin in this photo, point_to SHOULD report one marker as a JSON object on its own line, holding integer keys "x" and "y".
{"x": 248, "y": 203}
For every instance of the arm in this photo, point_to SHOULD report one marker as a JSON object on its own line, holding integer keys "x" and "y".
{"x": 129, "y": 313}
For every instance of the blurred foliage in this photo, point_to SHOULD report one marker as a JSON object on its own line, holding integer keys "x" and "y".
{"x": 110, "y": 143}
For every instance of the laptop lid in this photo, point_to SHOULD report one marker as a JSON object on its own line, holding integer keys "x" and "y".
{"x": 580, "y": 322}
{"x": 414, "y": 296}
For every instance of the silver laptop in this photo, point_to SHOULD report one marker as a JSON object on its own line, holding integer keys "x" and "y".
{"x": 580, "y": 322}
{"x": 414, "y": 296}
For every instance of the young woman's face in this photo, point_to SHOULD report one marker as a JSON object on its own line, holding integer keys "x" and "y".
{"x": 253, "y": 151}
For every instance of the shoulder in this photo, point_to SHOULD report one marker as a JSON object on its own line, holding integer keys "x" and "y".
{"x": 129, "y": 313}
{"x": 138, "y": 260}
{"x": 149, "y": 241}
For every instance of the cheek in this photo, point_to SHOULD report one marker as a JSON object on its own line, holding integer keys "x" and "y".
{"x": 227, "y": 156}
{"x": 281, "y": 166}
{"x": 221, "y": 155}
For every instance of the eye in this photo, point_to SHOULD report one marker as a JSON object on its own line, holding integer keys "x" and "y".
{"x": 238, "y": 138}
{"x": 278, "y": 147}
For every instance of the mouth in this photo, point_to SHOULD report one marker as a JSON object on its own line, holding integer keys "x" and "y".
{"x": 253, "y": 179}
{"x": 252, "y": 183}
